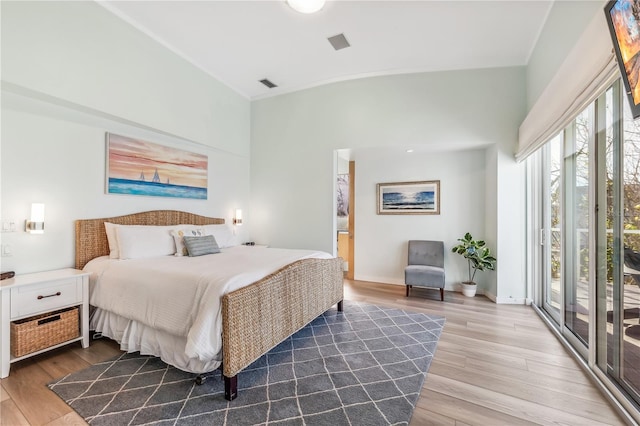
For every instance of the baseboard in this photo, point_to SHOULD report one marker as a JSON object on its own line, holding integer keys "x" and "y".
{"x": 507, "y": 300}
{"x": 495, "y": 299}
{"x": 396, "y": 281}
{"x": 381, "y": 280}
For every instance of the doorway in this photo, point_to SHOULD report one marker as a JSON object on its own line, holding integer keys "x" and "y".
{"x": 345, "y": 211}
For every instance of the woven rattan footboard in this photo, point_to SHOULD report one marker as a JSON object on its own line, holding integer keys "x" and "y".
{"x": 258, "y": 317}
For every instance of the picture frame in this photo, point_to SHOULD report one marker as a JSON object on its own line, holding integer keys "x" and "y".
{"x": 421, "y": 197}
{"x": 137, "y": 167}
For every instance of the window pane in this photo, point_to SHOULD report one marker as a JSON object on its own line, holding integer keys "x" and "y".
{"x": 552, "y": 222}
{"x": 577, "y": 139}
{"x": 630, "y": 350}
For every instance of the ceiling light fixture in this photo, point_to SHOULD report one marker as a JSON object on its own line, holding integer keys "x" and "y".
{"x": 306, "y": 6}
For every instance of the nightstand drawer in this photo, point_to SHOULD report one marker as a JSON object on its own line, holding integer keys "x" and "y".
{"x": 43, "y": 297}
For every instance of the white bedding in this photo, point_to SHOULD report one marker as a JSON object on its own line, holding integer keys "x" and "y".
{"x": 178, "y": 296}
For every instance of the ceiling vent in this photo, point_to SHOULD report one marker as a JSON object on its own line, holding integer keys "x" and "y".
{"x": 339, "y": 41}
{"x": 268, "y": 83}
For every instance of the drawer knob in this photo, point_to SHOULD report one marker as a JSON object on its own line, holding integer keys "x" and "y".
{"x": 50, "y": 295}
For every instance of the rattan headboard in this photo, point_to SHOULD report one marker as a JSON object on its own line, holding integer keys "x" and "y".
{"x": 91, "y": 237}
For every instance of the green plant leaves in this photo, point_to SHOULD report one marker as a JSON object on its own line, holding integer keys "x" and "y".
{"x": 478, "y": 256}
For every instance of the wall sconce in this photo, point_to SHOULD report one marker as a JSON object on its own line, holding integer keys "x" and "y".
{"x": 237, "y": 220}
{"x": 36, "y": 224}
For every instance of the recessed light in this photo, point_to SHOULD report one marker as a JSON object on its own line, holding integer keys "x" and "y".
{"x": 410, "y": 150}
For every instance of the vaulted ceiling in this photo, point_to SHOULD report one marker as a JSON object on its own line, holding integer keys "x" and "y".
{"x": 242, "y": 42}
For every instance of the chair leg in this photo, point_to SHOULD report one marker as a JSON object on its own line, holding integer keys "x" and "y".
{"x": 442, "y": 294}
{"x": 407, "y": 291}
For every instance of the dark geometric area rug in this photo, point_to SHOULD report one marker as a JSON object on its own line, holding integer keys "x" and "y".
{"x": 363, "y": 366}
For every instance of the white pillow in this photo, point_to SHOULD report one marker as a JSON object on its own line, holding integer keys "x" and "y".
{"x": 136, "y": 242}
{"x": 112, "y": 239}
{"x": 223, "y": 235}
{"x": 178, "y": 237}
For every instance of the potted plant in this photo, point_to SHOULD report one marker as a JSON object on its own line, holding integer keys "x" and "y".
{"x": 478, "y": 257}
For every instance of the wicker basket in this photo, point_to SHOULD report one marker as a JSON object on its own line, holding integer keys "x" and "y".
{"x": 42, "y": 331}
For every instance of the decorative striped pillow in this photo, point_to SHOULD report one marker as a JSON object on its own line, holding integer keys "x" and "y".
{"x": 198, "y": 246}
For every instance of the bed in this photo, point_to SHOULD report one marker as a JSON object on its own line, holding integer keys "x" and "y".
{"x": 254, "y": 317}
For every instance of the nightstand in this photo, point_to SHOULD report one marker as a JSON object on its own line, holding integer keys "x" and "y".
{"x": 28, "y": 295}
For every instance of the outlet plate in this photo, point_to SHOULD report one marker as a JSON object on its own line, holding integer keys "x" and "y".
{"x": 6, "y": 250}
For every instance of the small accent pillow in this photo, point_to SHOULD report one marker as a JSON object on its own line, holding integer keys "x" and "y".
{"x": 198, "y": 246}
{"x": 178, "y": 238}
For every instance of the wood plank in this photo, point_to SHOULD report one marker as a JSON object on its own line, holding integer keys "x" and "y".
{"x": 564, "y": 372}
{"x": 584, "y": 390}
{"x": 535, "y": 353}
{"x": 506, "y": 404}
{"x": 27, "y": 387}
{"x": 60, "y": 362}
{"x": 543, "y": 396}
{"x": 424, "y": 417}
{"x": 464, "y": 412}
{"x": 3, "y": 393}
{"x": 10, "y": 414}
{"x": 99, "y": 350}
{"x": 450, "y": 357}
{"x": 499, "y": 357}
{"x": 71, "y": 418}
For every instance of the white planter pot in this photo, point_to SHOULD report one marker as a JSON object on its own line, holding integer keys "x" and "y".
{"x": 469, "y": 290}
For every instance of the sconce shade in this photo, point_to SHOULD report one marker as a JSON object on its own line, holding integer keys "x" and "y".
{"x": 237, "y": 220}
{"x": 36, "y": 223}
{"x": 306, "y": 6}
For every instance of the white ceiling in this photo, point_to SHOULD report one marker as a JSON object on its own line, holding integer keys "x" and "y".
{"x": 241, "y": 42}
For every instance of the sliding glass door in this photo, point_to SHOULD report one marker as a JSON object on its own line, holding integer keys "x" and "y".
{"x": 619, "y": 296}
{"x": 589, "y": 207}
{"x": 565, "y": 221}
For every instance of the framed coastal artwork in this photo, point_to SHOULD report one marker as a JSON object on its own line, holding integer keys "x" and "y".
{"x": 409, "y": 197}
{"x": 137, "y": 167}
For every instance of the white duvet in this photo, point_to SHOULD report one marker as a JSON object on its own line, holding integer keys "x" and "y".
{"x": 181, "y": 295}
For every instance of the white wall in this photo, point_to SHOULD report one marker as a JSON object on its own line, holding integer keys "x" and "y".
{"x": 83, "y": 54}
{"x": 565, "y": 23}
{"x": 381, "y": 255}
{"x": 72, "y": 71}
{"x": 294, "y": 137}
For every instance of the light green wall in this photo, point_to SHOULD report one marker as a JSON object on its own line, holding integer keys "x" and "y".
{"x": 72, "y": 71}
{"x": 294, "y": 137}
{"x": 565, "y": 23}
{"x": 81, "y": 53}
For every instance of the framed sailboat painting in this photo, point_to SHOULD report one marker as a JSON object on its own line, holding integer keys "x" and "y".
{"x": 137, "y": 167}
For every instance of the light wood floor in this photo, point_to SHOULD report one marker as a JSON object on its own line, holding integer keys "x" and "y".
{"x": 494, "y": 365}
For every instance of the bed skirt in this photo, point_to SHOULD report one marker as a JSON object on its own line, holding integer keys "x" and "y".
{"x": 134, "y": 336}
